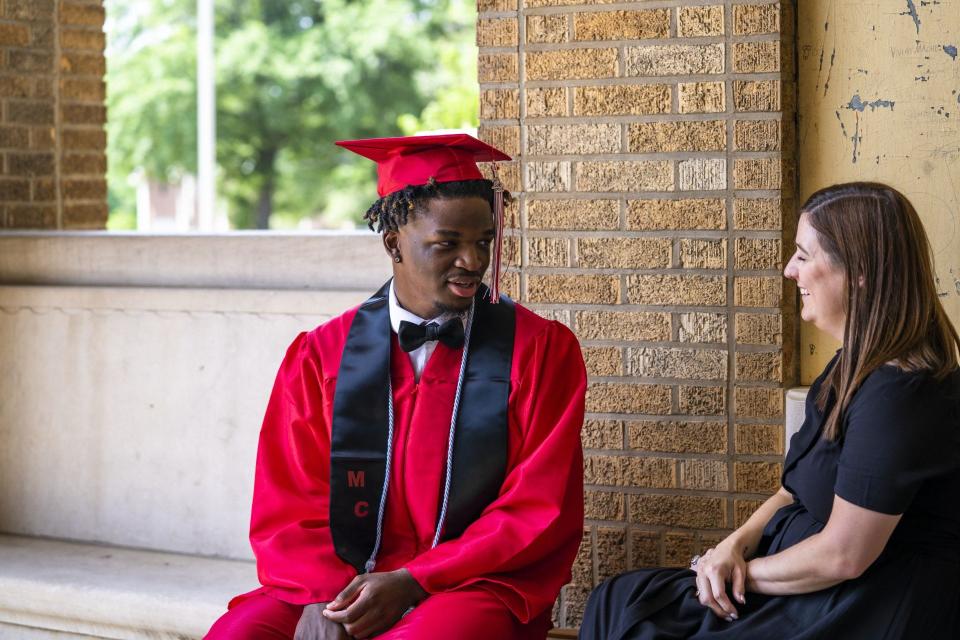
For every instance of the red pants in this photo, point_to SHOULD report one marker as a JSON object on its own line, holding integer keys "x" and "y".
{"x": 468, "y": 614}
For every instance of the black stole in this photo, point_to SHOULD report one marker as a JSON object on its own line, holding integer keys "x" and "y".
{"x": 359, "y": 431}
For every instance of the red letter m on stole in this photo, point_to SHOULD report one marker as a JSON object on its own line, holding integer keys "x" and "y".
{"x": 355, "y": 478}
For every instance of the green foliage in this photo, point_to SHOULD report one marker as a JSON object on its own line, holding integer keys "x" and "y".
{"x": 452, "y": 82}
{"x": 292, "y": 77}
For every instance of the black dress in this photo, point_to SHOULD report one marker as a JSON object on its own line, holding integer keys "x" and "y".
{"x": 900, "y": 454}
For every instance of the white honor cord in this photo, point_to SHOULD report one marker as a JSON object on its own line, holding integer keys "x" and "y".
{"x": 453, "y": 430}
{"x": 371, "y": 563}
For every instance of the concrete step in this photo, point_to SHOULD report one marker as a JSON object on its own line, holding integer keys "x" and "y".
{"x": 71, "y": 591}
{"x": 56, "y": 590}
{"x": 18, "y": 632}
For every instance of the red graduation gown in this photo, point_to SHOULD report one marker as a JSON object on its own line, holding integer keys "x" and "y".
{"x": 523, "y": 544}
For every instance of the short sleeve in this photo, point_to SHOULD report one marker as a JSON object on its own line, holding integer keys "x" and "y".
{"x": 891, "y": 444}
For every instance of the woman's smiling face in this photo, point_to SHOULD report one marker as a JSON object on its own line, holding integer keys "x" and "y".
{"x": 823, "y": 288}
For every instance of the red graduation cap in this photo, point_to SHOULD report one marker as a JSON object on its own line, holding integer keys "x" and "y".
{"x": 415, "y": 160}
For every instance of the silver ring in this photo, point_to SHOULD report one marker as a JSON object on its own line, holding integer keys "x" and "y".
{"x": 694, "y": 560}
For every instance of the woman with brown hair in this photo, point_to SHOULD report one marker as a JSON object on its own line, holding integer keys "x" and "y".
{"x": 863, "y": 538}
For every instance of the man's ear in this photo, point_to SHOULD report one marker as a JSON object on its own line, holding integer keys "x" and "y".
{"x": 391, "y": 242}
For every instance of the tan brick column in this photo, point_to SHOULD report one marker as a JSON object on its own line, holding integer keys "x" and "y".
{"x": 52, "y": 140}
{"x": 655, "y": 155}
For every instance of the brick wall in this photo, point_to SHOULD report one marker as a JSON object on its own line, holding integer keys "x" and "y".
{"x": 655, "y": 174}
{"x": 52, "y": 138}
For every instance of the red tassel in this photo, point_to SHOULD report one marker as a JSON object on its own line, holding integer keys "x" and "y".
{"x": 498, "y": 216}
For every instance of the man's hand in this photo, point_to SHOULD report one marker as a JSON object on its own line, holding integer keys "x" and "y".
{"x": 373, "y": 602}
{"x": 313, "y": 626}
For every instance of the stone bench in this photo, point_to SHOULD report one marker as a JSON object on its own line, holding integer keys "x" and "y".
{"x": 68, "y": 590}
{"x": 51, "y": 589}
{"x": 137, "y": 429}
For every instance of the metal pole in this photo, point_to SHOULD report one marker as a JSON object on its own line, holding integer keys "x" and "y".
{"x": 206, "y": 118}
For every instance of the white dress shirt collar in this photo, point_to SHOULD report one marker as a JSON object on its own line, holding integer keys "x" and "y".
{"x": 420, "y": 355}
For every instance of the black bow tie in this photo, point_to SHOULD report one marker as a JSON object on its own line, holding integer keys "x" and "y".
{"x": 412, "y": 336}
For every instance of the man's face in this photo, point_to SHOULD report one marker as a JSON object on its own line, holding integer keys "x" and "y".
{"x": 444, "y": 251}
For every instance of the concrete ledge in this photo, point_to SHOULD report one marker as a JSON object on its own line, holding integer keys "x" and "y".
{"x": 130, "y": 415}
{"x": 318, "y": 261}
{"x": 53, "y": 588}
{"x": 18, "y": 632}
{"x": 314, "y": 306}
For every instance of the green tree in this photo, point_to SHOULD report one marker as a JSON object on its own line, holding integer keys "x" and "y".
{"x": 292, "y": 77}
{"x": 151, "y": 98}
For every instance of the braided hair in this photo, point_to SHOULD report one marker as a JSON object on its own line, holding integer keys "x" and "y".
{"x": 392, "y": 211}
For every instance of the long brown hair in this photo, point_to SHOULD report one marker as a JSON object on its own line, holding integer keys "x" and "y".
{"x": 873, "y": 233}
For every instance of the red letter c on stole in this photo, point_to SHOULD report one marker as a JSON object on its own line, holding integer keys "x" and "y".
{"x": 361, "y": 509}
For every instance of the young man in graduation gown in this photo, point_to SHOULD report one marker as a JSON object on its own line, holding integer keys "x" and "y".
{"x": 419, "y": 474}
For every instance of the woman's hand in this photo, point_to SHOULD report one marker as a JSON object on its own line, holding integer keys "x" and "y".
{"x": 726, "y": 564}
{"x": 715, "y": 569}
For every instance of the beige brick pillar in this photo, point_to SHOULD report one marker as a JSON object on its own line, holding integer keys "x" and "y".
{"x": 52, "y": 138}
{"x": 655, "y": 152}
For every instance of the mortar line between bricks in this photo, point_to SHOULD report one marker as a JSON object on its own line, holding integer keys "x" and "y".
{"x": 666, "y": 79}
{"x": 731, "y": 262}
{"x": 654, "y": 381}
{"x": 659, "y": 156}
{"x": 58, "y": 117}
{"x": 672, "y": 344}
{"x": 594, "y": 559}
{"x": 719, "y": 492}
{"x": 637, "y": 43}
{"x": 656, "y": 417}
{"x": 31, "y": 49}
{"x": 585, "y": 120}
{"x": 614, "y": 271}
{"x": 641, "y": 528}
{"x": 630, "y": 195}
{"x": 519, "y": 15}
{"x": 657, "y": 308}
{"x": 671, "y": 492}
{"x": 665, "y": 234}
{"x": 647, "y": 453}
{"x": 675, "y": 492}
{"x": 83, "y": 127}
{"x": 491, "y": 15}
{"x": 641, "y": 196}
{"x": 649, "y": 528}
{"x": 638, "y": 452}
{"x": 628, "y": 6}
